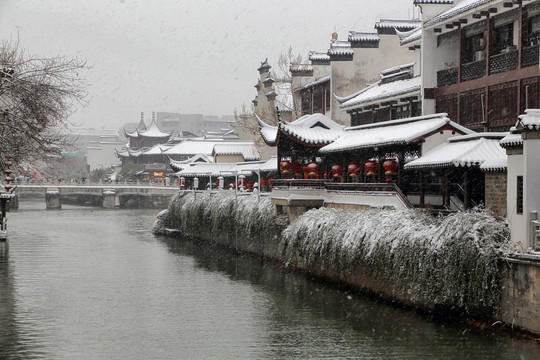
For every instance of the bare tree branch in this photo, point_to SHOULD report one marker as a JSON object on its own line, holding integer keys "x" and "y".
{"x": 37, "y": 96}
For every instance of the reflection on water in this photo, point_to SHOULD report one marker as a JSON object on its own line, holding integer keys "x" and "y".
{"x": 83, "y": 283}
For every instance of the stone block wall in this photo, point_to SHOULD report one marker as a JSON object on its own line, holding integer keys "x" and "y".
{"x": 495, "y": 193}
{"x": 520, "y": 300}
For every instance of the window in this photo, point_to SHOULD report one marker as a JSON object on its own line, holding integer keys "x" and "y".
{"x": 504, "y": 37}
{"x": 519, "y": 205}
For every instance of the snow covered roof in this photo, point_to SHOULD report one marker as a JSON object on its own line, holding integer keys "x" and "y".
{"x": 246, "y": 149}
{"x": 407, "y": 37}
{"x": 192, "y": 147}
{"x": 356, "y": 36}
{"x": 317, "y": 82}
{"x": 198, "y": 158}
{"x": 498, "y": 164}
{"x": 466, "y": 151}
{"x": 459, "y": 8}
{"x": 511, "y": 140}
{"x": 155, "y": 150}
{"x": 394, "y": 132}
{"x": 316, "y": 129}
{"x": 301, "y": 68}
{"x": 396, "y": 69}
{"x": 140, "y": 127}
{"x": 263, "y": 166}
{"x": 205, "y": 169}
{"x": 340, "y": 48}
{"x": 380, "y": 90}
{"x": 529, "y": 121}
{"x": 420, "y": 2}
{"x": 400, "y": 24}
{"x": 318, "y": 56}
{"x": 153, "y": 131}
{"x": 268, "y": 132}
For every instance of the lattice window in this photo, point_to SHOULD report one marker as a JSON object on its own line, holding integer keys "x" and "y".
{"x": 503, "y": 104}
{"x": 519, "y": 204}
{"x": 447, "y": 104}
{"x": 472, "y": 108}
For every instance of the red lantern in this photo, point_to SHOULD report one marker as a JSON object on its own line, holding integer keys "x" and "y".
{"x": 285, "y": 167}
{"x": 354, "y": 169}
{"x": 263, "y": 183}
{"x": 249, "y": 186}
{"x": 390, "y": 165}
{"x": 242, "y": 181}
{"x": 371, "y": 167}
{"x": 312, "y": 169}
{"x": 337, "y": 171}
{"x": 182, "y": 183}
{"x": 270, "y": 182}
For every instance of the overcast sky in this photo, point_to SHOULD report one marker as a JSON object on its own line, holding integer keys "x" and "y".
{"x": 186, "y": 56}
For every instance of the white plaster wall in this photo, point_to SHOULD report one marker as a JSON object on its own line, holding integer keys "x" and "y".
{"x": 517, "y": 221}
{"x": 531, "y": 179}
{"x": 436, "y": 139}
{"x": 429, "y": 64}
{"x": 446, "y": 54}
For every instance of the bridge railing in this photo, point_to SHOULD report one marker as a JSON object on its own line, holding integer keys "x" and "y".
{"x": 93, "y": 183}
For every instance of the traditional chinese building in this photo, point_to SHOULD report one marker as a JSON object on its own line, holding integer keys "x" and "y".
{"x": 480, "y": 60}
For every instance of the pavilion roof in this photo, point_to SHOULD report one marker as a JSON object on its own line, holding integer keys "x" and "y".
{"x": 463, "y": 151}
{"x": 311, "y": 130}
{"x": 394, "y": 132}
{"x": 153, "y": 131}
{"x": 198, "y": 158}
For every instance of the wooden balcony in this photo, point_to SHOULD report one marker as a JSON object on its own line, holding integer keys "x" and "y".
{"x": 473, "y": 70}
{"x": 447, "y": 77}
{"x": 529, "y": 56}
{"x": 503, "y": 62}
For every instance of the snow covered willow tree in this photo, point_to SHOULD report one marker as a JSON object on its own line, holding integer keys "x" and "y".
{"x": 37, "y": 96}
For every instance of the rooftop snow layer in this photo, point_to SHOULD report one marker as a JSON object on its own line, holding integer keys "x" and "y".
{"x": 379, "y": 91}
{"x": 363, "y": 36}
{"x": 459, "y": 8}
{"x": 398, "y": 23}
{"x": 313, "y": 129}
{"x": 465, "y": 151}
{"x": 393, "y": 132}
{"x": 317, "y": 82}
{"x": 529, "y": 121}
{"x": 511, "y": 140}
{"x": 246, "y": 149}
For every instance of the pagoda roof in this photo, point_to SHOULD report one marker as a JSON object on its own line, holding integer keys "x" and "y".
{"x": 153, "y": 131}
{"x": 463, "y": 151}
{"x": 394, "y": 132}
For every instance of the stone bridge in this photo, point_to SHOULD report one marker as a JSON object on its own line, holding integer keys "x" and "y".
{"x": 103, "y": 195}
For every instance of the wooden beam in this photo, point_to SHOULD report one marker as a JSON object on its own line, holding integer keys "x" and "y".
{"x": 476, "y": 16}
{"x": 492, "y": 10}
{"x": 437, "y": 30}
{"x": 484, "y": 13}
{"x": 463, "y": 21}
{"x": 449, "y": 26}
{"x": 456, "y": 23}
{"x": 508, "y": 4}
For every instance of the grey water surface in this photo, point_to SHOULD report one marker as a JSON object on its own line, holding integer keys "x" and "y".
{"x": 87, "y": 283}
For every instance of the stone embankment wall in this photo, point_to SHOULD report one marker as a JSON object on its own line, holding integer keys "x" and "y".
{"x": 409, "y": 256}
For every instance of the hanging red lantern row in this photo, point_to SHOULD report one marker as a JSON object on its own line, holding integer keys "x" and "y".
{"x": 371, "y": 167}
{"x": 285, "y": 167}
{"x": 8, "y": 179}
{"x": 312, "y": 170}
{"x": 337, "y": 171}
{"x": 354, "y": 169}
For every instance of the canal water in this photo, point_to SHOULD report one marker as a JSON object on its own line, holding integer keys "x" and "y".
{"x": 86, "y": 283}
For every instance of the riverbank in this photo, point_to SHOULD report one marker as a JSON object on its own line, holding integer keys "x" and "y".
{"x": 437, "y": 264}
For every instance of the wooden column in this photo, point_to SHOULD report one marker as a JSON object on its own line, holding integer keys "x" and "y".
{"x": 467, "y": 189}
{"x": 421, "y": 190}
{"x": 446, "y": 195}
